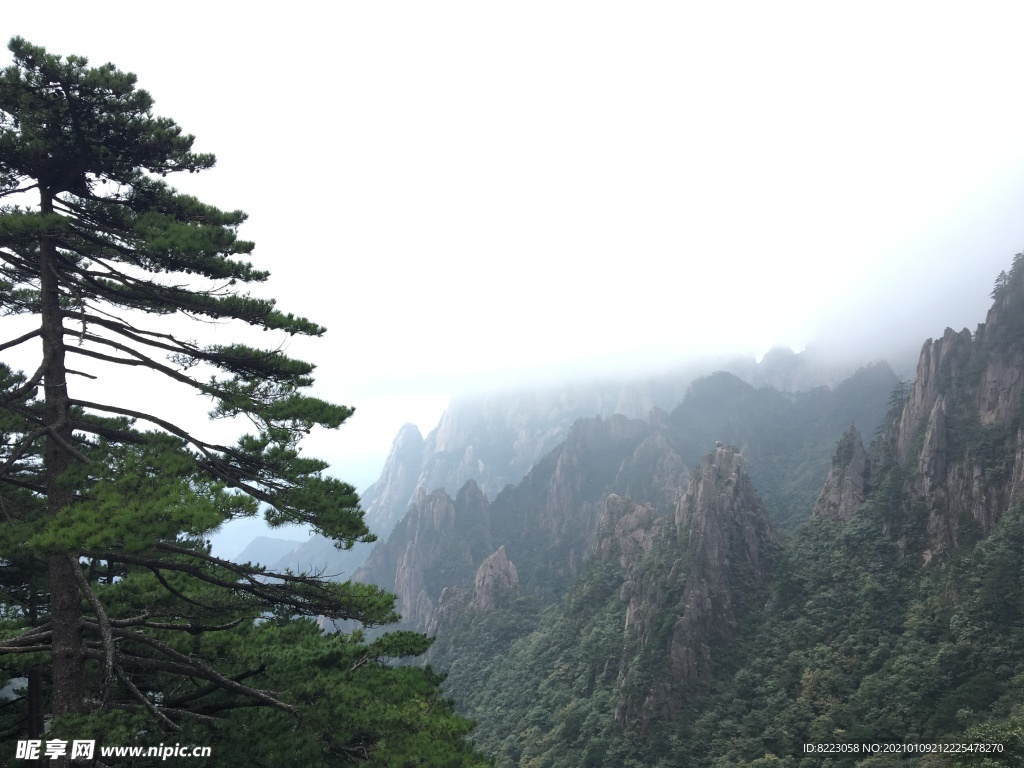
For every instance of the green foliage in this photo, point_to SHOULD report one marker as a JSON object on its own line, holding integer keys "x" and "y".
{"x": 787, "y": 440}
{"x": 541, "y": 683}
{"x": 858, "y": 644}
{"x": 125, "y": 626}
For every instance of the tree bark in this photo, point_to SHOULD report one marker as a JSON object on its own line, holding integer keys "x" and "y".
{"x": 65, "y": 601}
{"x": 35, "y": 675}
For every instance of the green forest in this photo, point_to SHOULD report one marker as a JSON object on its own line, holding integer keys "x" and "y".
{"x": 899, "y": 627}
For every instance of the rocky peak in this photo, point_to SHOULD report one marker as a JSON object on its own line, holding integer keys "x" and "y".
{"x": 729, "y": 543}
{"x": 843, "y": 492}
{"x": 495, "y": 574}
{"x": 941, "y": 368}
{"x": 719, "y": 492}
{"x": 958, "y": 434}
{"x": 437, "y": 543}
{"x": 626, "y": 531}
{"x": 728, "y": 540}
{"x": 387, "y": 499}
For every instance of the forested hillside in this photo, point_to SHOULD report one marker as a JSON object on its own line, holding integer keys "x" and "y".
{"x": 549, "y": 521}
{"x": 885, "y": 606}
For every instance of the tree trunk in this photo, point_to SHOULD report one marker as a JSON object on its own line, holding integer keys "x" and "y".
{"x": 35, "y": 675}
{"x": 65, "y": 601}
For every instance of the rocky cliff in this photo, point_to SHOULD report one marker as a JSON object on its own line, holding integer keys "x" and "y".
{"x": 684, "y": 605}
{"x": 495, "y": 575}
{"x": 387, "y": 499}
{"x": 958, "y": 439}
{"x": 440, "y": 542}
{"x": 546, "y": 524}
{"x": 627, "y": 531}
{"x": 844, "y": 489}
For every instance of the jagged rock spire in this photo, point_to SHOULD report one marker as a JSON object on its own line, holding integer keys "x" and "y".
{"x": 496, "y": 573}
{"x": 728, "y": 540}
{"x": 843, "y": 492}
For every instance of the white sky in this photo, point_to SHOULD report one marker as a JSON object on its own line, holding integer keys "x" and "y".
{"x": 471, "y": 193}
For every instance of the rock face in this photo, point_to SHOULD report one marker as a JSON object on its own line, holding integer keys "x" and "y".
{"x": 495, "y": 574}
{"x": 626, "y": 531}
{"x": 941, "y": 368}
{"x": 547, "y": 524}
{"x": 722, "y": 547}
{"x": 730, "y": 539}
{"x": 387, "y": 499}
{"x": 958, "y": 437}
{"x": 438, "y": 543}
{"x": 843, "y": 492}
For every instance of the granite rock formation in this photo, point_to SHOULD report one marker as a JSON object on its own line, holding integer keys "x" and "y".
{"x": 844, "y": 489}
{"x": 715, "y": 565}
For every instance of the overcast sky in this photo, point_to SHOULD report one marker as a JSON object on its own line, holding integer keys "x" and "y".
{"x": 468, "y": 194}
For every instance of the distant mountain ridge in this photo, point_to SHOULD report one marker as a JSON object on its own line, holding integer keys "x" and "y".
{"x": 805, "y": 589}
{"x": 496, "y": 439}
{"x": 548, "y": 523}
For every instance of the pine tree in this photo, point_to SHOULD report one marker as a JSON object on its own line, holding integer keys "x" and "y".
{"x": 113, "y": 502}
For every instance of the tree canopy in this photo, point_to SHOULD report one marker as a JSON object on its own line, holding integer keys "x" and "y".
{"x": 114, "y": 605}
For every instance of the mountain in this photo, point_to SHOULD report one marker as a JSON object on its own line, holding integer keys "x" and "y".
{"x": 441, "y": 542}
{"x": 266, "y": 549}
{"x": 495, "y": 439}
{"x": 806, "y": 588}
{"x": 722, "y": 541}
{"x": 960, "y": 434}
{"x": 548, "y": 523}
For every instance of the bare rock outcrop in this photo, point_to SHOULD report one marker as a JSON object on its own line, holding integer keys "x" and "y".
{"x": 843, "y": 492}
{"x": 726, "y": 540}
{"x": 730, "y": 539}
{"x": 626, "y": 530}
{"x": 388, "y": 499}
{"x": 958, "y": 437}
{"x": 496, "y": 574}
{"x": 435, "y": 515}
{"x": 439, "y": 542}
{"x": 941, "y": 368}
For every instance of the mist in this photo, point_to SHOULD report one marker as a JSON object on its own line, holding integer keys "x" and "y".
{"x": 479, "y": 199}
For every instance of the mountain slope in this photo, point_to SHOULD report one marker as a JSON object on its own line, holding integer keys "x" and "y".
{"x": 891, "y": 613}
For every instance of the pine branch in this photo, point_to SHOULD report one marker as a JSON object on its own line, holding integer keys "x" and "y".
{"x": 20, "y": 340}
{"x": 168, "y": 711}
{"x": 26, "y": 389}
{"x": 146, "y": 703}
{"x": 106, "y": 632}
{"x": 212, "y": 688}
{"x": 139, "y": 360}
{"x": 189, "y": 667}
{"x": 20, "y": 450}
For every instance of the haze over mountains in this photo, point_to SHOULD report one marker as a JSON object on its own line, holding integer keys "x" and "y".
{"x": 840, "y": 566}
{"x": 494, "y": 440}
{"x": 717, "y": 566}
